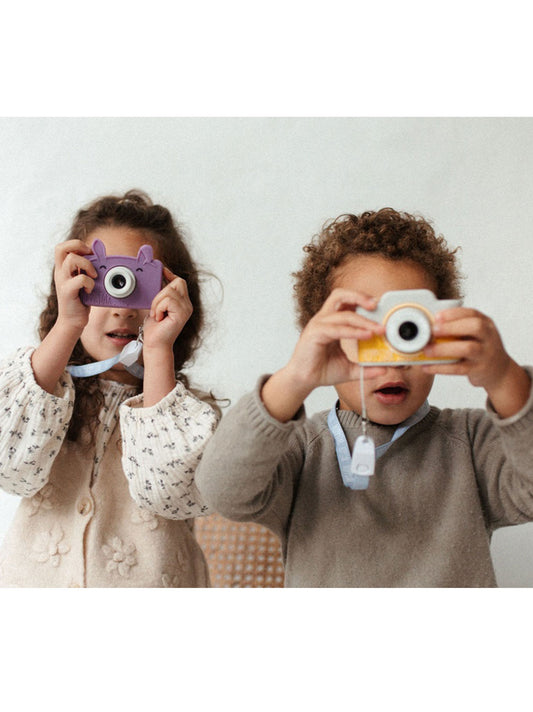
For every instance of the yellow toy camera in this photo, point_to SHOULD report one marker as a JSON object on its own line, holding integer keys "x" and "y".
{"x": 407, "y": 316}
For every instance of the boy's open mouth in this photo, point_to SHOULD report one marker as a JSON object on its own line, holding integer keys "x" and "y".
{"x": 392, "y": 393}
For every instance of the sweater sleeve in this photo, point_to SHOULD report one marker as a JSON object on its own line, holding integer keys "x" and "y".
{"x": 251, "y": 465}
{"x": 33, "y": 425}
{"x": 503, "y": 456}
{"x": 162, "y": 445}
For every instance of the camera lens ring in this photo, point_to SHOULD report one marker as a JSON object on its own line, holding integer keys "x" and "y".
{"x": 119, "y": 282}
{"x": 408, "y": 330}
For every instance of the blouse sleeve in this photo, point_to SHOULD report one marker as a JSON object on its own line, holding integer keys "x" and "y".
{"x": 162, "y": 446}
{"x": 33, "y": 425}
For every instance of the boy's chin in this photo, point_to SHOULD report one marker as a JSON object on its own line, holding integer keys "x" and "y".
{"x": 382, "y": 414}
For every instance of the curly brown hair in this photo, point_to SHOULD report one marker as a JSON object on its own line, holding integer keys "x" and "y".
{"x": 137, "y": 211}
{"x": 386, "y": 232}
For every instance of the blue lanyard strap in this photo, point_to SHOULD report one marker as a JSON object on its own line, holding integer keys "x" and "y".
{"x": 344, "y": 457}
{"x": 128, "y": 357}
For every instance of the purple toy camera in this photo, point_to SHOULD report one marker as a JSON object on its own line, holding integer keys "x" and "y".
{"x": 130, "y": 282}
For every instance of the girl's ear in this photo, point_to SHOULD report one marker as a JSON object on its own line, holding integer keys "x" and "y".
{"x": 145, "y": 254}
{"x": 98, "y": 248}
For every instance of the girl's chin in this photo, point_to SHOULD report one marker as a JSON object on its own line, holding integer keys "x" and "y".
{"x": 119, "y": 341}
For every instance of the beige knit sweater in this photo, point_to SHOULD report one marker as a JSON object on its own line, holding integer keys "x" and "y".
{"x": 426, "y": 518}
{"x": 116, "y": 514}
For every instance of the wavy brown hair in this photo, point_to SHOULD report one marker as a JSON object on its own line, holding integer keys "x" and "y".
{"x": 386, "y": 232}
{"x": 137, "y": 211}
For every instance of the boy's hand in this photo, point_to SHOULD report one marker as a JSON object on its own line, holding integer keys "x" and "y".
{"x": 170, "y": 310}
{"x": 69, "y": 278}
{"x": 481, "y": 356}
{"x": 318, "y": 359}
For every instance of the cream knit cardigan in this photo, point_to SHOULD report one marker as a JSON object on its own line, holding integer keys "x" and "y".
{"x": 119, "y": 513}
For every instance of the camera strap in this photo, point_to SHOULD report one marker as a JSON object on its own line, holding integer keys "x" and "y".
{"x": 128, "y": 357}
{"x": 365, "y": 452}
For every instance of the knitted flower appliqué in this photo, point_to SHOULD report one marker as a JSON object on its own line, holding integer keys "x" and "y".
{"x": 49, "y": 547}
{"x": 143, "y": 516}
{"x": 175, "y": 579}
{"x": 121, "y": 557}
{"x": 44, "y": 498}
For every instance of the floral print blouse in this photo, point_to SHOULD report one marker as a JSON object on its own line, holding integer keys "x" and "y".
{"x": 118, "y": 513}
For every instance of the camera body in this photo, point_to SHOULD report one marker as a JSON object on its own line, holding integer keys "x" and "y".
{"x": 407, "y": 315}
{"x": 130, "y": 282}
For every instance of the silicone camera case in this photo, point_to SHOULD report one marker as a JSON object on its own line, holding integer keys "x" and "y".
{"x": 130, "y": 282}
{"x": 408, "y": 316}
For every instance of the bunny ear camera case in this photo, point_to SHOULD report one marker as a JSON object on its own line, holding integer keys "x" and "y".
{"x": 408, "y": 316}
{"x": 129, "y": 282}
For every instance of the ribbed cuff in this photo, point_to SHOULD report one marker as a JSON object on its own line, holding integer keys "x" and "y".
{"x": 521, "y": 420}
{"x": 177, "y": 400}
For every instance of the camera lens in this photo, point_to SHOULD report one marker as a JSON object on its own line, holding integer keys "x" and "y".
{"x": 120, "y": 282}
{"x": 408, "y": 330}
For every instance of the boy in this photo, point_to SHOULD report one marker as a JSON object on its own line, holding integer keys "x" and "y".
{"x": 439, "y": 490}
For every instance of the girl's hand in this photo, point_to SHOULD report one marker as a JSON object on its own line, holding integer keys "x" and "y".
{"x": 481, "y": 356}
{"x": 169, "y": 312}
{"x": 53, "y": 353}
{"x": 73, "y": 272}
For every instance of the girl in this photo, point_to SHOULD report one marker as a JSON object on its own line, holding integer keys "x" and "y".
{"x": 105, "y": 471}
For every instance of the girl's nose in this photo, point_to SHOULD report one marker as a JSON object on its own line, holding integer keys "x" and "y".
{"x": 125, "y": 312}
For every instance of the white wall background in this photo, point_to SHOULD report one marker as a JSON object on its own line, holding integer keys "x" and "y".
{"x": 251, "y": 193}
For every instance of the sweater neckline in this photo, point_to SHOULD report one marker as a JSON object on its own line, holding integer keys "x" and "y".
{"x": 352, "y": 423}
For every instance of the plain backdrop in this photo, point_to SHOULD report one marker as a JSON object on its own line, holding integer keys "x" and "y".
{"x": 250, "y": 193}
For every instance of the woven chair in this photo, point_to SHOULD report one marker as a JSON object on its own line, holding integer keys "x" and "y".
{"x": 240, "y": 554}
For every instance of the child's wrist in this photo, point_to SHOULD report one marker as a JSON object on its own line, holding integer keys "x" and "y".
{"x": 510, "y": 394}
{"x": 295, "y": 380}
{"x": 159, "y": 376}
{"x": 68, "y": 329}
{"x": 158, "y": 359}
{"x": 283, "y": 394}
{"x": 161, "y": 353}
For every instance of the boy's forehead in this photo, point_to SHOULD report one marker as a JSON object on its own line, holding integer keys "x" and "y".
{"x": 374, "y": 275}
